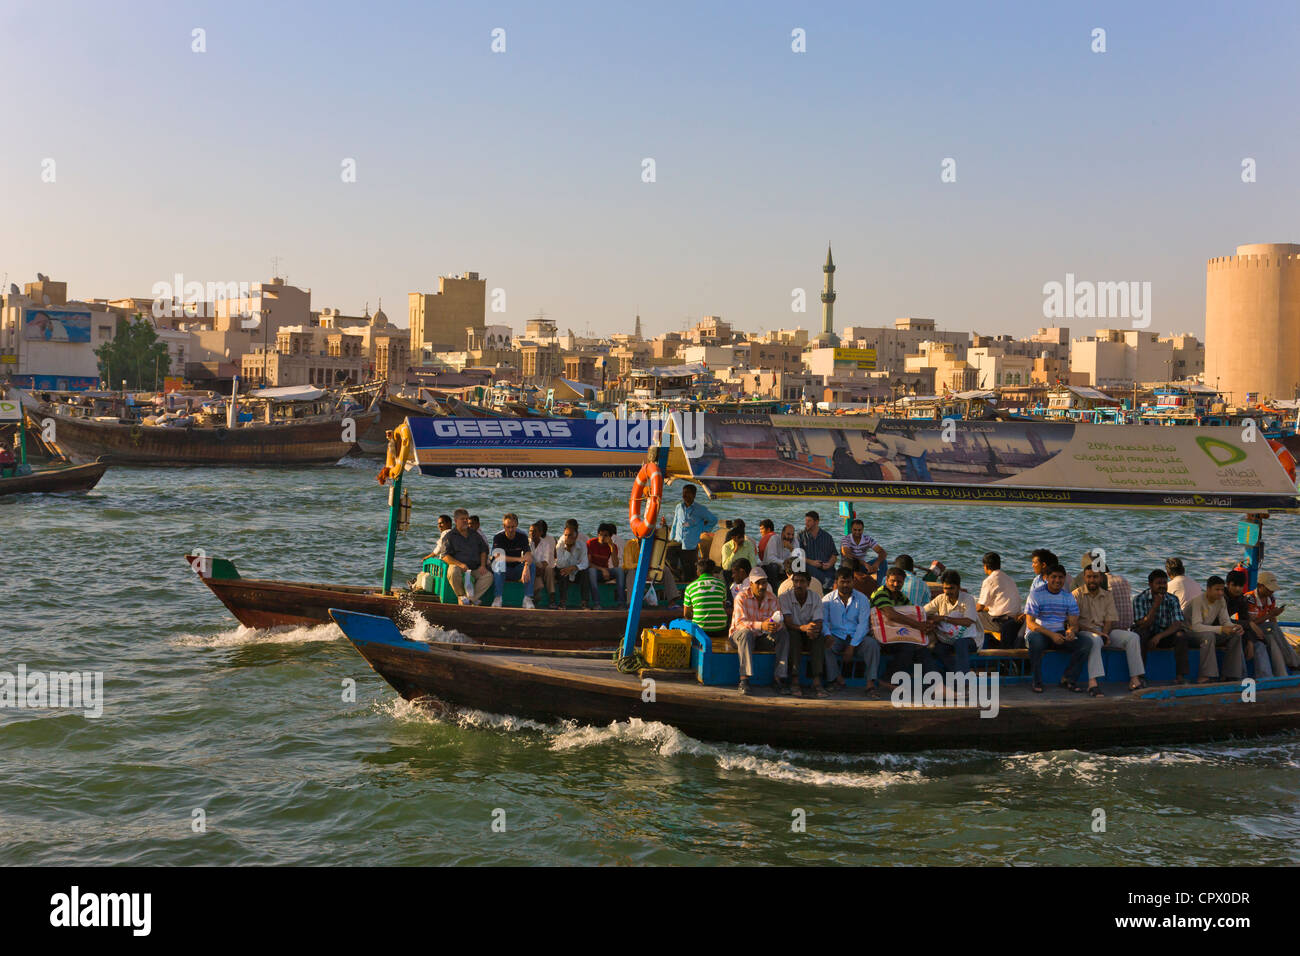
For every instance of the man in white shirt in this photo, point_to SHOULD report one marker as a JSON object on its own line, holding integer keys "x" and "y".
{"x": 570, "y": 566}
{"x": 1207, "y": 616}
{"x": 1180, "y": 585}
{"x": 856, "y": 545}
{"x": 999, "y": 602}
{"x": 776, "y": 552}
{"x": 543, "y": 548}
{"x": 960, "y": 633}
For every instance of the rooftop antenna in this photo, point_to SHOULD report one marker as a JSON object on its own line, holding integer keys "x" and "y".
{"x": 275, "y": 267}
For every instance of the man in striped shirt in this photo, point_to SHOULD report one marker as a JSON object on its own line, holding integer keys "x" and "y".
{"x": 914, "y": 586}
{"x": 705, "y": 599}
{"x": 756, "y": 625}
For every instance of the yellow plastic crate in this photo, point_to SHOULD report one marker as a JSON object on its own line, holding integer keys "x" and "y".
{"x": 666, "y": 648}
{"x": 723, "y": 646}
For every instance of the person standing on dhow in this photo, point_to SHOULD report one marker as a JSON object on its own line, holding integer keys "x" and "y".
{"x": 690, "y": 520}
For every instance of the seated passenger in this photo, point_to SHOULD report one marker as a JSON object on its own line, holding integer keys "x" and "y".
{"x": 802, "y": 613}
{"x": 543, "y": 547}
{"x": 903, "y": 656}
{"x": 756, "y": 625}
{"x": 1264, "y": 614}
{"x": 1052, "y": 616}
{"x": 603, "y": 565}
{"x": 999, "y": 602}
{"x": 518, "y": 558}
{"x": 1099, "y": 620}
{"x": 857, "y": 546}
{"x": 1207, "y": 616}
{"x": 738, "y": 546}
{"x": 705, "y": 600}
{"x": 465, "y": 551}
{"x": 846, "y": 624}
{"x": 1158, "y": 620}
{"x": 775, "y": 553}
{"x": 1180, "y": 585}
{"x": 813, "y": 584}
{"x": 570, "y": 566}
{"x": 740, "y": 570}
{"x": 1254, "y": 647}
{"x": 959, "y": 634}
{"x": 914, "y": 586}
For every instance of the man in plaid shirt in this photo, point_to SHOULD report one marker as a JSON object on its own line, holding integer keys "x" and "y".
{"x": 1158, "y": 620}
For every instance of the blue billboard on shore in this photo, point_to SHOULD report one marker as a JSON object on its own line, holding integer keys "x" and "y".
{"x": 527, "y": 447}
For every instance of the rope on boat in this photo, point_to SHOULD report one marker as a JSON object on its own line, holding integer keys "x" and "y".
{"x": 630, "y": 664}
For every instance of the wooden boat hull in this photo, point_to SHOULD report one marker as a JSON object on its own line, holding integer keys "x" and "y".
{"x": 391, "y": 414}
{"x": 586, "y": 688}
{"x": 76, "y": 478}
{"x": 265, "y": 604}
{"x": 292, "y": 443}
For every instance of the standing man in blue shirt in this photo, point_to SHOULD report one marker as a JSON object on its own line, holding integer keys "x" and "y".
{"x": 819, "y": 550}
{"x": 690, "y": 520}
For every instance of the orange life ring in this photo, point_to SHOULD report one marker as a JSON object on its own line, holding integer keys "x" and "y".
{"x": 1284, "y": 456}
{"x": 650, "y": 474}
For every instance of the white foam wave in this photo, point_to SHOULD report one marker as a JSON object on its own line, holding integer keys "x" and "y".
{"x": 241, "y": 636}
{"x": 422, "y": 630}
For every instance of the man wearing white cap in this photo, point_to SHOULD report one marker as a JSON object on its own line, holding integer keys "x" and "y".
{"x": 1264, "y": 614}
{"x": 756, "y": 622}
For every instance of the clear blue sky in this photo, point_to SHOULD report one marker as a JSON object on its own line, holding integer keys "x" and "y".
{"x": 526, "y": 165}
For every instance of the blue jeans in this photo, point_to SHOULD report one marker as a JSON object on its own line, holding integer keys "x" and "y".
{"x": 1039, "y": 642}
{"x": 595, "y": 579}
{"x": 513, "y": 572}
{"x": 961, "y": 649}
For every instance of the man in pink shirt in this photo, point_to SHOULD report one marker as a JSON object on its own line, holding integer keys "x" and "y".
{"x": 756, "y": 625}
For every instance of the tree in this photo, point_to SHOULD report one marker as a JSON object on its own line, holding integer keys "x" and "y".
{"x": 135, "y": 354}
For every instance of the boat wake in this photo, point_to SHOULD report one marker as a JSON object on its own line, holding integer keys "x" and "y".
{"x": 870, "y": 772}
{"x": 242, "y": 636}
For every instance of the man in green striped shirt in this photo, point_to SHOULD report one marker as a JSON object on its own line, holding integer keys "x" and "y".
{"x": 705, "y": 599}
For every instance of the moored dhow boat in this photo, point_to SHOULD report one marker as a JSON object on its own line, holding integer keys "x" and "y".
{"x": 17, "y": 477}
{"x": 261, "y": 603}
{"x": 309, "y": 433}
{"x": 65, "y": 479}
{"x": 586, "y": 687}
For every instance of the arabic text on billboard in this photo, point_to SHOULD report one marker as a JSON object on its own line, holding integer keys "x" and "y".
{"x": 862, "y": 358}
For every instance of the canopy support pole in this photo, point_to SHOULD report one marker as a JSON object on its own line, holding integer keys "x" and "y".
{"x": 642, "y": 573}
{"x": 394, "y": 508}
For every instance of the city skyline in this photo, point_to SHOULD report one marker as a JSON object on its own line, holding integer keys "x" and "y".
{"x": 527, "y": 165}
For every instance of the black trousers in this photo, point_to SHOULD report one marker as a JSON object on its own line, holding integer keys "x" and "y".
{"x": 1179, "y": 641}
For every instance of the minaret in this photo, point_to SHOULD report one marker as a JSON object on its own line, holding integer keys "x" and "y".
{"x": 637, "y": 332}
{"x": 828, "y": 338}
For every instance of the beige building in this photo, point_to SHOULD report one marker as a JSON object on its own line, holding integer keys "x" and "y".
{"x": 894, "y": 345}
{"x": 1115, "y": 357}
{"x": 1252, "y": 322}
{"x": 994, "y": 367}
{"x": 951, "y": 370}
{"x": 438, "y": 320}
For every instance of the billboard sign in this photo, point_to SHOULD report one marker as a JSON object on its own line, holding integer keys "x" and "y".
{"x": 992, "y": 462}
{"x": 54, "y": 325}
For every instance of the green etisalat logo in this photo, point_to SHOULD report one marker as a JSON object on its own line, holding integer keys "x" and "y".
{"x": 1220, "y": 452}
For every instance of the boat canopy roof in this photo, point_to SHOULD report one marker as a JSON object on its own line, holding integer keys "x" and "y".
{"x": 1088, "y": 392}
{"x": 290, "y": 393}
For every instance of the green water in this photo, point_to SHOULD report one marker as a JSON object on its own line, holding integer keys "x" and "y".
{"x": 251, "y": 728}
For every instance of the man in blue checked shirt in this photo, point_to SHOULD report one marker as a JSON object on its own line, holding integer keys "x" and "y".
{"x": 846, "y": 617}
{"x": 690, "y": 520}
{"x": 914, "y": 586}
{"x": 1052, "y": 619}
